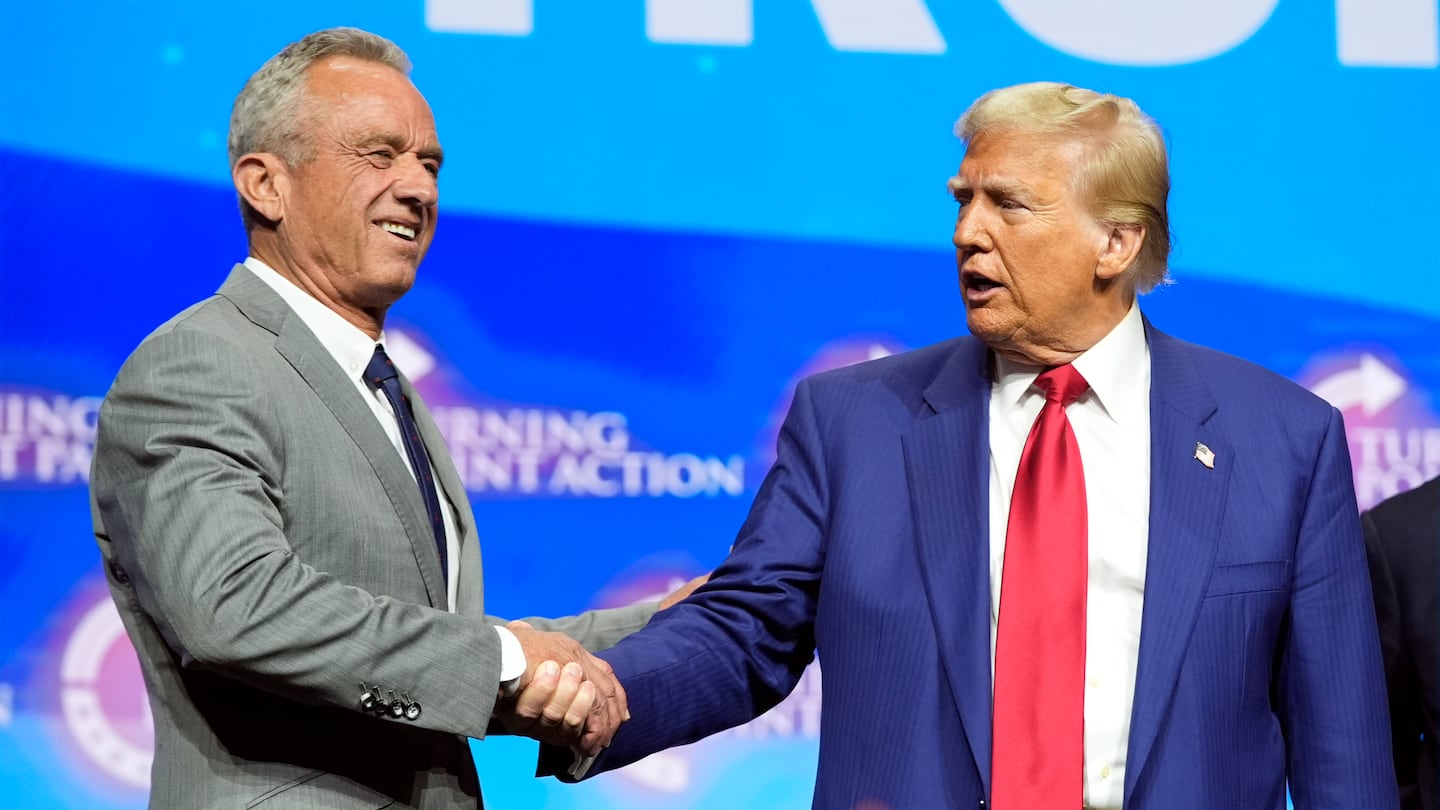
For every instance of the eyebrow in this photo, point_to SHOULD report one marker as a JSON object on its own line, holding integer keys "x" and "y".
{"x": 429, "y": 152}
{"x": 995, "y": 187}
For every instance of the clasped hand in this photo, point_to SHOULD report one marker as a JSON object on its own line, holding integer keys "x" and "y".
{"x": 567, "y": 696}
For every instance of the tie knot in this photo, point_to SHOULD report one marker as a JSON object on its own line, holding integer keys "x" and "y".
{"x": 380, "y": 368}
{"x": 1062, "y": 384}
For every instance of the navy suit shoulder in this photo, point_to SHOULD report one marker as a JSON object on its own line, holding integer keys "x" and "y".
{"x": 1278, "y": 426}
{"x": 906, "y": 374}
{"x": 1236, "y": 380}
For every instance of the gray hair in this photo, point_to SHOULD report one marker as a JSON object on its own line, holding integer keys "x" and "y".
{"x": 268, "y": 113}
{"x": 1123, "y": 172}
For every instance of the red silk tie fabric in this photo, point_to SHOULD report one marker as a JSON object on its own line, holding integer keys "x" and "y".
{"x": 1039, "y": 726}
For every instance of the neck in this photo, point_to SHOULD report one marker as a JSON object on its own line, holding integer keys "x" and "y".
{"x": 370, "y": 320}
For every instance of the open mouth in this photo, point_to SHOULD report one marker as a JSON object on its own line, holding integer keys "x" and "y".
{"x": 403, "y": 231}
{"x": 979, "y": 284}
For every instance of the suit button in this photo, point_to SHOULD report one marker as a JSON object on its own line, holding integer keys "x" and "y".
{"x": 119, "y": 574}
{"x": 367, "y": 698}
{"x": 412, "y": 712}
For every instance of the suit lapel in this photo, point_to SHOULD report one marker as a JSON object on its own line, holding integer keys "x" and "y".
{"x": 470, "y": 590}
{"x": 946, "y": 467}
{"x": 299, "y": 347}
{"x": 1187, "y": 503}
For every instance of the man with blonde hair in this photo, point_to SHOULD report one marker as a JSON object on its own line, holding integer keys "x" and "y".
{"x": 1066, "y": 561}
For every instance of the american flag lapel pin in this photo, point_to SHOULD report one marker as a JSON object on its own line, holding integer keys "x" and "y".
{"x": 1205, "y": 455}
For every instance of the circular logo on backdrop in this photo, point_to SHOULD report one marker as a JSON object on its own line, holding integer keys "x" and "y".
{"x": 102, "y": 696}
{"x": 1393, "y": 433}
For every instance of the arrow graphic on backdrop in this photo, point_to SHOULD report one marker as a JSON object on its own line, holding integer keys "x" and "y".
{"x": 1372, "y": 386}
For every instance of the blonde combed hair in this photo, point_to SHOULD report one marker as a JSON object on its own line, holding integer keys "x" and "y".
{"x": 1123, "y": 171}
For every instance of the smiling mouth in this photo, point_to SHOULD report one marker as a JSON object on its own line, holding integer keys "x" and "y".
{"x": 403, "y": 231}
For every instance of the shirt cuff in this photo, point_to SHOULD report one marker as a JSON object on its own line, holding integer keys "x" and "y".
{"x": 580, "y": 766}
{"x": 512, "y": 661}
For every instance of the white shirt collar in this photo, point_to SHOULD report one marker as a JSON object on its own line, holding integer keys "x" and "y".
{"x": 345, "y": 342}
{"x": 1116, "y": 368}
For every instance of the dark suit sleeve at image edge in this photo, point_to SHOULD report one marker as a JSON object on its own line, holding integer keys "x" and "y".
{"x": 1400, "y": 676}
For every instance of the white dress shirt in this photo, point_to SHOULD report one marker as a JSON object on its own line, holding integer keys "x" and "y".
{"x": 1111, "y": 422}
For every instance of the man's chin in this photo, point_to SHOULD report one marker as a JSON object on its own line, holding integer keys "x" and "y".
{"x": 988, "y": 325}
{"x": 388, "y": 288}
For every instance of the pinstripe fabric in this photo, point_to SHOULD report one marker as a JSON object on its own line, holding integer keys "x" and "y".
{"x": 869, "y": 542}
{"x": 268, "y": 552}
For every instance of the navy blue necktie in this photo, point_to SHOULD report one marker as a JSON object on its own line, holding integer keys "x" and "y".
{"x": 381, "y": 373}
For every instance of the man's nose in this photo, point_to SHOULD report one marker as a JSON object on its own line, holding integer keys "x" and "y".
{"x": 969, "y": 230}
{"x": 417, "y": 183}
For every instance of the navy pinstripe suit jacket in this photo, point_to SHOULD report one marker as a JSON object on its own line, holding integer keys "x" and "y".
{"x": 868, "y": 543}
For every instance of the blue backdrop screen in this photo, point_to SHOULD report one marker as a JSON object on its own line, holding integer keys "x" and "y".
{"x": 657, "y": 216}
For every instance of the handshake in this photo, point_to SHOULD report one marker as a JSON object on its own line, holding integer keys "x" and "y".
{"x": 579, "y": 704}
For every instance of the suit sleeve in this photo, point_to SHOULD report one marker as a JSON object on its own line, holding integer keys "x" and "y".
{"x": 187, "y": 492}
{"x": 594, "y": 629}
{"x": 1331, "y": 691}
{"x": 1401, "y": 678}
{"x": 740, "y": 643}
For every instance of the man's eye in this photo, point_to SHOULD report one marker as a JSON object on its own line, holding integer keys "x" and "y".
{"x": 1011, "y": 205}
{"x": 381, "y": 156}
{"x": 433, "y": 169}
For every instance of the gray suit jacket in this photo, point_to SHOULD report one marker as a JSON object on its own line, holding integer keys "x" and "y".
{"x": 269, "y": 552}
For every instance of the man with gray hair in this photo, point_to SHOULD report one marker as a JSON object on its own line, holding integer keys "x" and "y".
{"x": 1066, "y": 561}
{"x": 287, "y": 539}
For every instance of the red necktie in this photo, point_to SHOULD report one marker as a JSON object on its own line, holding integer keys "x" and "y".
{"x": 1040, "y": 643}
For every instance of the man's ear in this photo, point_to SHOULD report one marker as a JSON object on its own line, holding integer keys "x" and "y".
{"x": 1121, "y": 249}
{"x": 263, "y": 181}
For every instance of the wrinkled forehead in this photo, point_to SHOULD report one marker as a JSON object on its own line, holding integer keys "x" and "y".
{"x": 347, "y": 97}
{"x": 1011, "y": 158}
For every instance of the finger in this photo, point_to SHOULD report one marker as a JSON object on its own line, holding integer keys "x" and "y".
{"x": 600, "y": 671}
{"x": 621, "y": 700}
{"x": 579, "y": 711}
{"x": 519, "y": 624}
{"x": 531, "y": 701}
{"x": 608, "y": 712}
{"x": 610, "y": 689}
{"x": 600, "y": 664}
{"x": 558, "y": 707}
{"x": 596, "y": 737}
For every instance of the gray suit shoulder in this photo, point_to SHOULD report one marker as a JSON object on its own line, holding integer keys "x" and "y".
{"x": 215, "y": 315}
